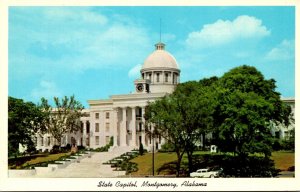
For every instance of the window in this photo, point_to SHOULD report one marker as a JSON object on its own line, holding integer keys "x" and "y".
{"x": 97, "y": 140}
{"x": 150, "y": 77}
{"x": 42, "y": 141}
{"x": 107, "y": 127}
{"x": 157, "y": 77}
{"x": 107, "y": 139}
{"x": 97, "y": 115}
{"x": 49, "y": 141}
{"x": 174, "y": 78}
{"x": 97, "y": 127}
{"x": 166, "y": 77}
{"x": 107, "y": 115}
{"x": 88, "y": 127}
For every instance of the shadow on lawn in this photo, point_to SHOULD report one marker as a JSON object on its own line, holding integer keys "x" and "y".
{"x": 15, "y": 162}
{"x": 170, "y": 169}
{"x": 233, "y": 166}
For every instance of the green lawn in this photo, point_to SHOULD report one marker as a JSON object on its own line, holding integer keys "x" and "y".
{"x": 283, "y": 160}
{"x": 145, "y": 162}
{"x": 34, "y": 159}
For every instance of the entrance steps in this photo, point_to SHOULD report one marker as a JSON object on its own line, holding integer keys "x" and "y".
{"x": 88, "y": 167}
{"x": 120, "y": 150}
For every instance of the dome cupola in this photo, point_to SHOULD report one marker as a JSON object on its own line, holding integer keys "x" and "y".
{"x": 161, "y": 69}
{"x": 160, "y": 58}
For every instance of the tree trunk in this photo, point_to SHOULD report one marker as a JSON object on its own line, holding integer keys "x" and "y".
{"x": 204, "y": 141}
{"x": 178, "y": 163}
{"x": 190, "y": 161}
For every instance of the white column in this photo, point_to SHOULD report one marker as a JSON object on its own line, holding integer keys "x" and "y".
{"x": 152, "y": 78}
{"x": 143, "y": 127}
{"x": 123, "y": 128}
{"x": 84, "y": 133}
{"x": 67, "y": 139}
{"x": 115, "y": 126}
{"x": 133, "y": 127}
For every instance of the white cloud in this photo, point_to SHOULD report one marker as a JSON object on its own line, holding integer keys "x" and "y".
{"x": 81, "y": 15}
{"x": 114, "y": 47}
{"x": 75, "y": 39}
{"x": 223, "y": 32}
{"x": 283, "y": 51}
{"x": 135, "y": 71}
{"x": 168, "y": 37}
{"x": 46, "y": 89}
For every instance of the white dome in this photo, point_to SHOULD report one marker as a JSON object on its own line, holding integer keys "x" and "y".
{"x": 160, "y": 59}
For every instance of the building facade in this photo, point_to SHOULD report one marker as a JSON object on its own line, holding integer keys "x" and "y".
{"x": 121, "y": 116}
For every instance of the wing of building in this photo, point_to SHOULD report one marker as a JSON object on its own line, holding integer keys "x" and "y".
{"x": 121, "y": 116}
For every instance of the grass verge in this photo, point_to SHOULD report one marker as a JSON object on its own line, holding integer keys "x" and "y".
{"x": 283, "y": 160}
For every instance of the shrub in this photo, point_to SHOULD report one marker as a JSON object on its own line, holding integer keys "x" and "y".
{"x": 292, "y": 168}
{"x": 31, "y": 150}
{"x": 80, "y": 148}
{"x": 141, "y": 149}
{"x": 235, "y": 166}
{"x": 288, "y": 144}
{"x": 277, "y": 145}
{"x": 282, "y": 144}
{"x": 55, "y": 149}
{"x": 104, "y": 148}
{"x": 167, "y": 147}
{"x": 68, "y": 147}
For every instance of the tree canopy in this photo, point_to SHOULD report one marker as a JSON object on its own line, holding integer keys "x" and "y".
{"x": 64, "y": 117}
{"x": 247, "y": 105}
{"x": 24, "y": 120}
{"x": 236, "y": 108}
{"x": 181, "y": 118}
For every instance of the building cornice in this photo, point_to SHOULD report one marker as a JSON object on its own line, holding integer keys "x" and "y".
{"x": 135, "y": 96}
{"x": 288, "y": 99}
{"x": 160, "y": 69}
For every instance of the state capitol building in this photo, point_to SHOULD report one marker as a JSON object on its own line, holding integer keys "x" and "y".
{"x": 121, "y": 116}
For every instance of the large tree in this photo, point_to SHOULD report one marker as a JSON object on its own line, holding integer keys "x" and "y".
{"x": 196, "y": 106}
{"x": 24, "y": 120}
{"x": 162, "y": 116}
{"x": 182, "y": 117}
{"x": 64, "y": 117}
{"x": 247, "y": 105}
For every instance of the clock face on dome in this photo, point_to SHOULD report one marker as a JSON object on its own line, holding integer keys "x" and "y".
{"x": 139, "y": 87}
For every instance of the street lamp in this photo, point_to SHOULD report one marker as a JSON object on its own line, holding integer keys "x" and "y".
{"x": 152, "y": 135}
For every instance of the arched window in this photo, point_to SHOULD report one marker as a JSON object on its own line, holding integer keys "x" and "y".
{"x": 174, "y": 78}
{"x": 166, "y": 77}
{"x": 157, "y": 77}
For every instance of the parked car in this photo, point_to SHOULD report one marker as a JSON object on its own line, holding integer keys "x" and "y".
{"x": 206, "y": 173}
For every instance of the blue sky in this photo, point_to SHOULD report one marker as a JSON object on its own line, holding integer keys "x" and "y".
{"x": 95, "y": 52}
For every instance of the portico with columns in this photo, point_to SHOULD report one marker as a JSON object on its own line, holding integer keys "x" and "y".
{"x": 127, "y": 120}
